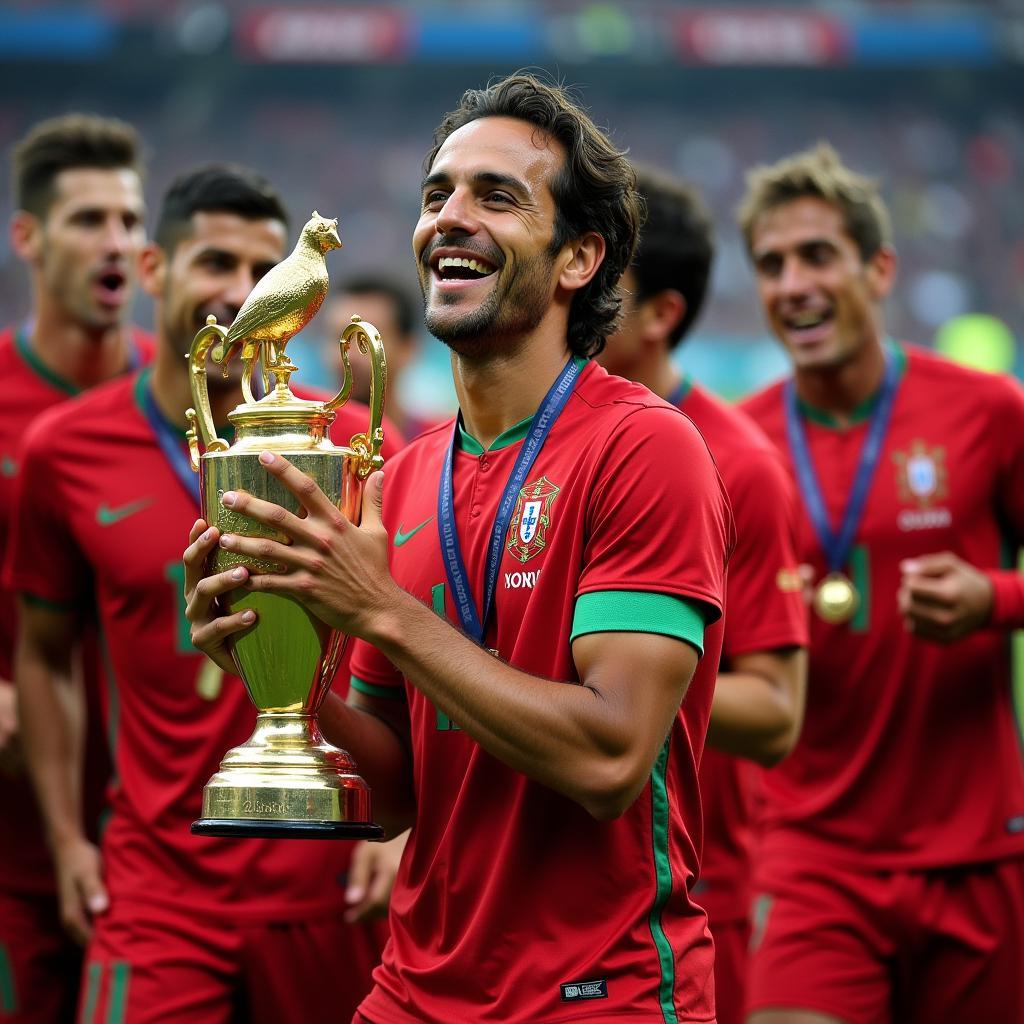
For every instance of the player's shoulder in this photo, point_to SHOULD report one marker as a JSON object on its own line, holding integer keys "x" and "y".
{"x": 427, "y": 447}
{"x": 746, "y": 457}
{"x": 606, "y": 404}
{"x": 7, "y": 343}
{"x": 12, "y": 366}
{"x": 13, "y": 363}
{"x": 726, "y": 427}
{"x": 102, "y": 409}
{"x": 764, "y": 406}
{"x": 935, "y": 375}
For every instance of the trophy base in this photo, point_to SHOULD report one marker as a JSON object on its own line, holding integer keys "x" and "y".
{"x": 253, "y": 828}
{"x": 286, "y": 781}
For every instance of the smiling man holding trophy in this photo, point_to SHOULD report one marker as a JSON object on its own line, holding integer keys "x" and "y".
{"x": 573, "y": 530}
{"x": 197, "y": 930}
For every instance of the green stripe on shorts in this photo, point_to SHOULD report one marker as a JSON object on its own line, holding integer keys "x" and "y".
{"x": 94, "y": 975}
{"x": 8, "y": 991}
{"x": 118, "y": 1006}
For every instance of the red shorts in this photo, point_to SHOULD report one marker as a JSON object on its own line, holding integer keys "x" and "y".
{"x": 732, "y": 957}
{"x": 39, "y": 963}
{"x": 934, "y": 947}
{"x": 149, "y": 963}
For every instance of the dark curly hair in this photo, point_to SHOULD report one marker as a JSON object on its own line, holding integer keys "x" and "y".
{"x": 594, "y": 191}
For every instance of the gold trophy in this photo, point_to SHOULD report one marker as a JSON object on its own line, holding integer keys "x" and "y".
{"x": 286, "y": 780}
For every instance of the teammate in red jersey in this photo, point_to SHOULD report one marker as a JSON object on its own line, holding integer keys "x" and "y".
{"x": 759, "y": 696}
{"x": 552, "y": 770}
{"x": 892, "y": 866}
{"x": 197, "y": 930}
{"x": 395, "y": 312}
{"x": 78, "y": 226}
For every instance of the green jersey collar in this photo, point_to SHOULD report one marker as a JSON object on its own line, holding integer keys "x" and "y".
{"x": 468, "y": 443}
{"x": 863, "y": 411}
{"x": 23, "y": 346}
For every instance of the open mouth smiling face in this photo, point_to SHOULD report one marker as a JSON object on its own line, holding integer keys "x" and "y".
{"x": 455, "y": 271}
{"x": 809, "y": 325}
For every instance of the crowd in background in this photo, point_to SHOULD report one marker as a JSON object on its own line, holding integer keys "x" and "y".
{"x": 948, "y": 149}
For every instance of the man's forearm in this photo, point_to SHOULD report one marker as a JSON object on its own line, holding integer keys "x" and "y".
{"x": 573, "y": 738}
{"x": 758, "y": 708}
{"x": 50, "y": 723}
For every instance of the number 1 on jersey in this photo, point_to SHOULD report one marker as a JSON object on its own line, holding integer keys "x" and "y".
{"x": 209, "y": 677}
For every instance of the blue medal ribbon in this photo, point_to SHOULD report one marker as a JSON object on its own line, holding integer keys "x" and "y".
{"x": 837, "y": 545}
{"x": 168, "y": 437}
{"x": 473, "y": 624}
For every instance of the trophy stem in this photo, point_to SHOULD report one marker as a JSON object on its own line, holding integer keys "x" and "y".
{"x": 285, "y": 781}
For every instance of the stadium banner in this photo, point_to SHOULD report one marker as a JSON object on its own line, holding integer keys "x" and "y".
{"x": 324, "y": 35}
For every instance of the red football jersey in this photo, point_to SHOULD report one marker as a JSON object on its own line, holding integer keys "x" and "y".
{"x": 101, "y": 517}
{"x": 764, "y": 610}
{"x": 512, "y": 903}
{"x": 909, "y": 756}
{"x": 30, "y": 388}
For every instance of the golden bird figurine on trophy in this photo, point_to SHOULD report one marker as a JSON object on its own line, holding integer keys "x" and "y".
{"x": 285, "y": 299}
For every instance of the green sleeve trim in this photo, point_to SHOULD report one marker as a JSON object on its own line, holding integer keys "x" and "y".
{"x": 640, "y": 611}
{"x": 386, "y": 692}
{"x": 44, "y": 602}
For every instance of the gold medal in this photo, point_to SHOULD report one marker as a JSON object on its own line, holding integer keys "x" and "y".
{"x": 836, "y": 599}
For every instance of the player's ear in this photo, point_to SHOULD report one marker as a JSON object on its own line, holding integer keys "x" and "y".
{"x": 152, "y": 269}
{"x": 580, "y": 260}
{"x": 881, "y": 272}
{"x": 26, "y": 236}
{"x": 661, "y": 313}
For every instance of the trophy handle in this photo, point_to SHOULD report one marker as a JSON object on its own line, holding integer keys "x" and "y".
{"x": 201, "y": 426}
{"x": 367, "y": 446}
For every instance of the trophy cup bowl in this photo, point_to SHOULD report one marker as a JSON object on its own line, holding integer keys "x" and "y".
{"x": 286, "y": 780}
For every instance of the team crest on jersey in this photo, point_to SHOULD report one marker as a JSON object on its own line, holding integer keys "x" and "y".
{"x": 921, "y": 474}
{"x": 921, "y": 479}
{"x": 527, "y": 534}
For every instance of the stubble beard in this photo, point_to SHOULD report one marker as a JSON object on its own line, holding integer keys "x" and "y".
{"x": 501, "y": 324}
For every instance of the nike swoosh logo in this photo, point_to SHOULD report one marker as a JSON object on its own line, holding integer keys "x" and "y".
{"x": 401, "y": 538}
{"x": 107, "y": 516}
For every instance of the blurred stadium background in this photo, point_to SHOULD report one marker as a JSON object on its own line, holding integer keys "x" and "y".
{"x": 335, "y": 103}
